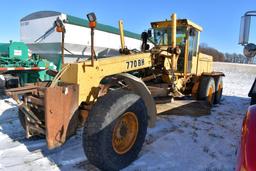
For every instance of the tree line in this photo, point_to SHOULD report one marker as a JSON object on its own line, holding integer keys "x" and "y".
{"x": 224, "y": 57}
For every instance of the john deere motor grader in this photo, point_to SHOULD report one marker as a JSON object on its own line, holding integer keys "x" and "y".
{"x": 113, "y": 98}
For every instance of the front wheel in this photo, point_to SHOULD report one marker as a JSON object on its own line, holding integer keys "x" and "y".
{"x": 115, "y": 131}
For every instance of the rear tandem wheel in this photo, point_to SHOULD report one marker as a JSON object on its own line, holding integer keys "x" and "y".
{"x": 207, "y": 90}
{"x": 219, "y": 88}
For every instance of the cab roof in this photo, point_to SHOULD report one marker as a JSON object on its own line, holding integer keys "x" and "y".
{"x": 180, "y": 22}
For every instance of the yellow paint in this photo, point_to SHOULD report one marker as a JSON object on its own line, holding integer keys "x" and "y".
{"x": 197, "y": 59}
{"x": 88, "y": 77}
{"x": 167, "y": 66}
{"x": 202, "y": 63}
{"x": 121, "y": 30}
{"x": 123, "y": 142}
{"x": 186, "y": 55}
{"x": 181, "y": 22}
{"x": 173, "y": 17}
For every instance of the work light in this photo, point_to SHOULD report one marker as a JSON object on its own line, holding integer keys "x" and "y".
{"x": 92, "y": 20}
{"x": 59, "y": 25}
{"x": 91, "y": 17}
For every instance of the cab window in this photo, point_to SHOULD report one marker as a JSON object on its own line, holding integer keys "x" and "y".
{"x": 163, "y": 36}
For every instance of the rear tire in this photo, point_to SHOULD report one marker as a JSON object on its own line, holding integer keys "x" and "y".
{"x": 207, "y": 90}
{"x": 115, "y": 145}
{"x": 219, "y": 88}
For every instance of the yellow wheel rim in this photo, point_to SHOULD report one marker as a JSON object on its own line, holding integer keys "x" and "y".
{"x": 210, "y": 92}
{"x": 125, "y": 133}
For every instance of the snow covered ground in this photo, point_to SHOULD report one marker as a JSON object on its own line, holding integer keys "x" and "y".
{"x": 178, "y": 142}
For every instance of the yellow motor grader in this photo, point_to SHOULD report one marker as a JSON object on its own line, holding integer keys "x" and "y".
{"x": 114, "y": 98}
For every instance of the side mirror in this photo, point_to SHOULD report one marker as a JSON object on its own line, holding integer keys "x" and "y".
{"x": 244, "y": 29}
{"x": 144, "y": 36}
{"x": 250, "y": 50}
{"x": 145, "y": 46}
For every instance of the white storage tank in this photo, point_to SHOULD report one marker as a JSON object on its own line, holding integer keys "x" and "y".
{"x": 38, "y": 32}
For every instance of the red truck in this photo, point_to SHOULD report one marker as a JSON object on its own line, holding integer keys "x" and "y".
{"x": 247, "y": 151}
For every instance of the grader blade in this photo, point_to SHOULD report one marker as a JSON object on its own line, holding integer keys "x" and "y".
{"x": 184, "y": 107}
{"x": 60, "y": 105}
{"x": 47, "y": 110}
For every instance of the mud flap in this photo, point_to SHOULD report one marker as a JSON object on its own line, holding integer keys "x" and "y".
{"x": 61, "y": 102}
{"x": 139, "y": 87}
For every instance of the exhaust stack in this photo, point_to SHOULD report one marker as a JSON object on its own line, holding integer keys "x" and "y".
{"x": 174, "y": 25}
{"x": 121, "y": 30}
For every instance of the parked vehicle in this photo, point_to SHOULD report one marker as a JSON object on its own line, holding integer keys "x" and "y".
{"x": 18, "y": 67}
{"x": 247, "y": 149}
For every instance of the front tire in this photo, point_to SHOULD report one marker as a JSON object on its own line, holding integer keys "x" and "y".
{"x": 115, "y": 145}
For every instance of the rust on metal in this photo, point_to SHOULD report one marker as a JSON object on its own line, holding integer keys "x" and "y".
{"x": 61, "y": 102}
{"x": 21, "y": 90}
{"x": 35, "y": 100}
{"x": 48, "y": 110}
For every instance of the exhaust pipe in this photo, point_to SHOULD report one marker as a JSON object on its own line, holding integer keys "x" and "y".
{"x": 121, "y": 30}
{"x": 174, "y": 25}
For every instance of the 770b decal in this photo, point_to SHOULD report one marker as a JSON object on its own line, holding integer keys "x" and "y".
{"x": 135, "y": 63}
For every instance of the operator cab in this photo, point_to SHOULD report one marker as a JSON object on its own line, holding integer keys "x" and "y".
{"x": 187, "y": 39}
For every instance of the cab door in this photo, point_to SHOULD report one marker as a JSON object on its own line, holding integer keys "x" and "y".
{"x": 193, "y": 48}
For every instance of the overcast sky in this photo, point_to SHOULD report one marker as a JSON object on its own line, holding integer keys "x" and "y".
{"x": 219, "y": 18}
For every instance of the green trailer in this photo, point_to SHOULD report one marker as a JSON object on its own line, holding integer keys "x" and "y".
{"x": 18, "y": 66}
